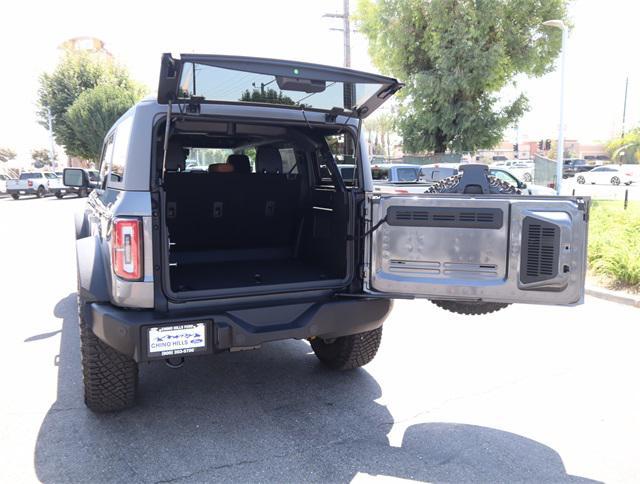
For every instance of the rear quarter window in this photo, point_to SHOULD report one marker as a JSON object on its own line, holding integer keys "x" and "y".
{"x": 120, "y": 152}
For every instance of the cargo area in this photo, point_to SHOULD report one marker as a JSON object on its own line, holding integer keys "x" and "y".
{"x": 258, "y": 208}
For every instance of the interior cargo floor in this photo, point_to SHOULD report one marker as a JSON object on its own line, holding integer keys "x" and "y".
{"x": 194, "y": 276}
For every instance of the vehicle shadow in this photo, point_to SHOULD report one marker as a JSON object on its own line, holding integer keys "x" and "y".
{"x": 268, "y": 415}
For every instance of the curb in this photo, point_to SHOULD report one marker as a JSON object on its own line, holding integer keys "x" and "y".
{"x": 613, "y": 296}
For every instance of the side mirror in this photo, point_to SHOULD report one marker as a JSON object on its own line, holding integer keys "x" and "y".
{"x": 75, "y": 177}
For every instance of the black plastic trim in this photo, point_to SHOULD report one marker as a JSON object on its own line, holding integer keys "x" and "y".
{"x": 453, "y": 217}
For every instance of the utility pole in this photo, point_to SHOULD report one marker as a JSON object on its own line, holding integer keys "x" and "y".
{"x": 624, "y": 108}
{"x": 346, "y": 30}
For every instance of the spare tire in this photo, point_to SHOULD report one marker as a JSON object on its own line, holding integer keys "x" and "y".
{"x": 452, "y": 185}
{"x": 469, "y": 308}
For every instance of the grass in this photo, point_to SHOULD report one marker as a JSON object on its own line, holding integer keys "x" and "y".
{"x": 614, "y": 243}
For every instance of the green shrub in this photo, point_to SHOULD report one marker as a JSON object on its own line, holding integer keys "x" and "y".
{"x": 614, "y": 241}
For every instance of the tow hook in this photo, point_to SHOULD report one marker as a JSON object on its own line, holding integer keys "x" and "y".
{"x": 175, "y": 363}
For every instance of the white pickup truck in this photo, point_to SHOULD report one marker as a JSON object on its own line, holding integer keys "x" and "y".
{"x": 31, "y": 183}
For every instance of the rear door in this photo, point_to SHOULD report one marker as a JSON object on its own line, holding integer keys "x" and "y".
{"x": 199, "y": 78}
{"x": 494, "y": 248}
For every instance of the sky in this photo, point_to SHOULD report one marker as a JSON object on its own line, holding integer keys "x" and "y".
{"x": 601, "y": 53}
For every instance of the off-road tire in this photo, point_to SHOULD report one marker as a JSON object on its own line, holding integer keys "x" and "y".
{"x": 469, "y": 308}
{"x": 15, "y": 196}
{"x": 110, "y": 378}
{"x": 348, "y": 352}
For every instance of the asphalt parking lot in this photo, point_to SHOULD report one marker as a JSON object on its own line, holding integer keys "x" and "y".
{"x": 531, "y": 393}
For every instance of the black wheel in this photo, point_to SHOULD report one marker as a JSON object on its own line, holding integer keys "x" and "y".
{"x": 580, "y": 180}
{"x": 59, "y": 195}
{"x": 348, "y": 352}
{"x": 110, "y": 378}
{"x": 15, "y": 196}
{"x": 83, "y": 193}
{"x": 40, "y": 192}
{"x": 527, "y": 177}
{"x": 470, "y": 308}
{"x": 615, "y": 181}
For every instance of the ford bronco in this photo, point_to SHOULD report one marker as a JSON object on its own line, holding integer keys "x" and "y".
{"x": 266, "y": 241}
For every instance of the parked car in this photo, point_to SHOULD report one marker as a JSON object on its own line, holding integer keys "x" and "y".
{"x": 30, "y": 183}
{"x": 438, "y": 171}
{"x": 573, "y": 166}
{"x": 3, "y": 183}
{"x": 174, "y": 264}
{"x": 525, "y": 188}
{"x": 397, "y": 178}
{"x": 608, "y": 175}
{"x": 523, "y": 169}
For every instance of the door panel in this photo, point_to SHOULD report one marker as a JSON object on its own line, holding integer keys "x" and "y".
{"x": 489, "y": 248}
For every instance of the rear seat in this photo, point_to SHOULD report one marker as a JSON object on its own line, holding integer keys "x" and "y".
{"x": 232, "y": 210}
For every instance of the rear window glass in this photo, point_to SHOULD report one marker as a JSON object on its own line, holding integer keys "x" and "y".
{"x": 120, "y": 149}
{"x": 407, "y": 174}
{"x": 29, "y": 176}
{"x": 380, "y": 173}
{"x": 217, "y": 83}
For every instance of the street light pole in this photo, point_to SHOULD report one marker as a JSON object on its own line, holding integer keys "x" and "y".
{"x": 52, "y": 151}
{"x": 560, "y": 154}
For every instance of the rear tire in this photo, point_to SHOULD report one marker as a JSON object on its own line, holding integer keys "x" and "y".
{"x": 59, "y": 195}
{"x": 615, "y": 181}
{"x": 15, "y": 196}
{"x": 580, "y": 180}
{"x": 40, "y": 192}
{"x": 469, "y": 308}
{"x": 348, "y": 352}
{"x": 110, "y": 378}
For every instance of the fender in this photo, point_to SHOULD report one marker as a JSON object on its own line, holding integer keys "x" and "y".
{"x": 92, "y": 277}
{"x": 82, "y": 225}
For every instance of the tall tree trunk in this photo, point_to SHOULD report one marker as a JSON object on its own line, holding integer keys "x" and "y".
{"x": 441, "y": 142}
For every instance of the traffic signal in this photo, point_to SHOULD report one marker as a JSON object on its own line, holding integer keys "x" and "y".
{"x": 547, "y": 145}
{"x": 540, "y": 144}
{"x": 515, "y": 147}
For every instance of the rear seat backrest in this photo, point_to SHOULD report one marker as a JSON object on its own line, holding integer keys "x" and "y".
{"x": 240, "y": 163}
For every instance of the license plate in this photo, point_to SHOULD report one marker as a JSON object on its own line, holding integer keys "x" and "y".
{"x": 22, "y": 192}
{"x": 177, "y": 340}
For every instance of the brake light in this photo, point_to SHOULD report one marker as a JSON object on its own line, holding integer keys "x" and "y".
{"x": 29, "y": 183}
{"x": 127, "y": 248}
{"x": 628, "y": 174}
{"x": 399, "y": 190}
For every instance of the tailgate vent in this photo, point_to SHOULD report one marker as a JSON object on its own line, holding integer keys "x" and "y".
{"x": 540, "y": 250}
{"x": 480, "y": 218}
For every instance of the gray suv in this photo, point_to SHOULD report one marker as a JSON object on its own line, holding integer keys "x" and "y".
{"x": 222, "y": 222}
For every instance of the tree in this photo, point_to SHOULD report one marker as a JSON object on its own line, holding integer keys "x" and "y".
{"x": 381, "y": 125}
{"x": 7, "y": 154}
{"x": 91, "y": 116}
{"x": 270, "y": 96}
{"x": 455, "y": 57}
{"x": 625, "y": 150}
{"x": 41, "y": 157}
{"x": 77, "y": 72}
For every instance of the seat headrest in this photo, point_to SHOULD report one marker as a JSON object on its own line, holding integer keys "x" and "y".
{"x": 176, "y": 157}
{"x": 268, "y": 160}
{"x": 240, "y": 163}
{"x": 221, "y": 168}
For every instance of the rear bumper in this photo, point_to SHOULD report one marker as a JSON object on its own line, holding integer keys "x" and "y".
{"x": 125, "y": 330}
{"x": 22, "y": 191}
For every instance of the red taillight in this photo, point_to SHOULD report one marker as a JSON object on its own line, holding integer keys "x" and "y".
{"x": 126, "y": 248}
{"x": 399, "y": 190}
{"x": 628, "y": 174}
{"x": 29, "y": 183}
